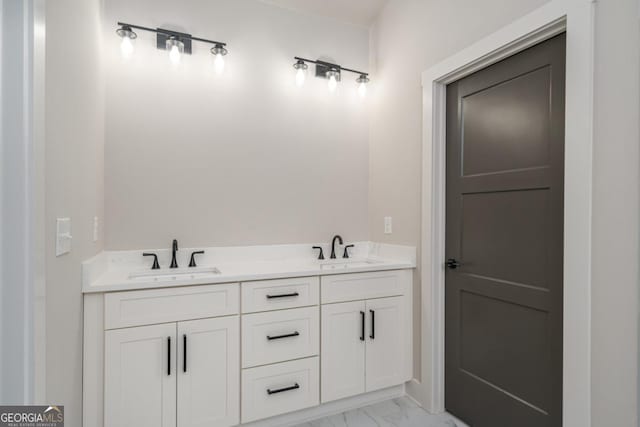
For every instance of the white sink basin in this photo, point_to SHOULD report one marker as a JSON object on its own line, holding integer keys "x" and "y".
{"x": 343, "y": 264}
{"x": 174, "y": 274}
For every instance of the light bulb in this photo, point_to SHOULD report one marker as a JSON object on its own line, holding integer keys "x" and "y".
{"x": 333, "y": 83}
{"x": 218, "y": 51}
{"x": 362, "y": 89}
{"x": 301, "y": 70}
{"x": 174, "y": 55}
{"x": 300, "y": 77}
{"x": 126, "y": 47}
{"x": 362, "y": 84}
{"x": 218, "y": 63}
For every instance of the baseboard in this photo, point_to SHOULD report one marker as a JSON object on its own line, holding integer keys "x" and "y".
{"x": 415, "y": 392}
{"x": 331, "y": 408}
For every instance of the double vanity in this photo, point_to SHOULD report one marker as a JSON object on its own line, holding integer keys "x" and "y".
{"x": 246, "y": 336}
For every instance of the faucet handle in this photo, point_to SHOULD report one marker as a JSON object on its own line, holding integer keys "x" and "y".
{"x": 192, "y": 263}
{"x": 155, "y": 266}
{"x": 346, "y": 251}
{"x": 321, "y": 254}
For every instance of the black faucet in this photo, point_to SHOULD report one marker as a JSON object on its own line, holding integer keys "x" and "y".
{"x": 174, "y": 249}
{"x": 333, "y": 245}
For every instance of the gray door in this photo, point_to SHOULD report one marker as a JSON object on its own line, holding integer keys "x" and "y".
{"x": 503, "y": 311}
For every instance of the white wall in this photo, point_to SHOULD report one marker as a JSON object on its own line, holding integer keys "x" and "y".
{"x": 409, "y": 37}
{"x": 616, "y": 215}
{"x": 242, "y": 158}
{"x": 74, "y": 183}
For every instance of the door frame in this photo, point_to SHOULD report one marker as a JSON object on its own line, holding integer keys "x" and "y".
{"x": 576, "y": 17}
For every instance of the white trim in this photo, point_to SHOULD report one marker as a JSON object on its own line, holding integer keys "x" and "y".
{"x": 576, "y": 17}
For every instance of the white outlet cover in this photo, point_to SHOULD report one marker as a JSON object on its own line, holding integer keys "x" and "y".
{"x": 63, "y": 236}
{"x": 95, "y": 228}
{"x": 388, "y": 225}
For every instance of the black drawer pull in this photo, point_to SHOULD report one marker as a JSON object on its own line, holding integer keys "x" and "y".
{"x": 362, "y": 325}
{"x": 280, "y": 390}
{"x": 294, "y": 294}
{"x": 277, "y": 337}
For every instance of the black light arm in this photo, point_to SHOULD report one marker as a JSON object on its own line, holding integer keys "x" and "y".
{"x": 330, "y": 65}
{"x": 171, "y": 33}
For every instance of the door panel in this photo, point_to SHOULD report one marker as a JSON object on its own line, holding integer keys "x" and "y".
{"x": 503, "y": 309}
{"x": 386, "y": 346}
{"x": 209, "y": 382}
{"x": 140, "y": 377}
{"x": 343, "y": 350}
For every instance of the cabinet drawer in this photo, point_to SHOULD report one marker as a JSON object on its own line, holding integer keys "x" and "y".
{"x": 280, "y": 335}
{"x": 359, "y": 286}
{"x": 134, "y": 308}
{"x": 265, "y": 295}
{"x": 277, "y": 389}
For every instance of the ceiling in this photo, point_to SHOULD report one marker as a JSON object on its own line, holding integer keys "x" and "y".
{"x": 356, "y": 12}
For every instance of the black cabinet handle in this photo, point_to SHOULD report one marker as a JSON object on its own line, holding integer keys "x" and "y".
{"x": 277, "y": 337}
{"x": 184, "y": 353}
{"x": 294, "y": 294}
{"x": 169, "y": 356}
{"x": 373, "y": 325}
{"x": 362, "y": 325}
{"x": 280, "y": 390}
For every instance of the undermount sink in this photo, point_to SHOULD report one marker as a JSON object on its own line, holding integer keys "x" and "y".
{"x": 174, "y": 274}
{"x": 344, "y": 264}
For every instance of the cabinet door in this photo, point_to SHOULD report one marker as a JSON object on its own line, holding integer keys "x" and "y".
{"x": 343, "y": 347}
{"x": 209, "y": 372}
{"x": 386, "y": 343}
{"x": 140, "y": 377}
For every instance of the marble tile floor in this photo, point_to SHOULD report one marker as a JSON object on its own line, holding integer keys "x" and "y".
{"x": 400, "y": 412}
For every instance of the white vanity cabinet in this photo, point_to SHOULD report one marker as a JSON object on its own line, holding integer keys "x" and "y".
{"x": 183, "y": 373}
{"x": 366, "y": 343}
{"x": 231, "y": 353}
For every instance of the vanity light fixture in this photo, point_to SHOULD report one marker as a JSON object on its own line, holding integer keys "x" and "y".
{"x": 332, "y": 72}
{"x": 173, "y": 41}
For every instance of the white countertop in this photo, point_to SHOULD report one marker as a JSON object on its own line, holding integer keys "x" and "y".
{"x": 129, "y": 270}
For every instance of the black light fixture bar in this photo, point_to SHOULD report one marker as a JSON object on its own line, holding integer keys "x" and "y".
{"x": 330, "y": 66}
{"x": 169, "y": 33}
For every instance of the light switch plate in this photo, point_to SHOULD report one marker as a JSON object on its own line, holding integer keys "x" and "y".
{"x": 63, "y": 236}
{"x": 388, "y": 225}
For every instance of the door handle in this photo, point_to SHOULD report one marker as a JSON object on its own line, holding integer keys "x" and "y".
{"x": 373, "y": 325}
{"x": 362, "y": 326}
{"x": 452, "y": 264}
{"x": 169, "y": 356}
